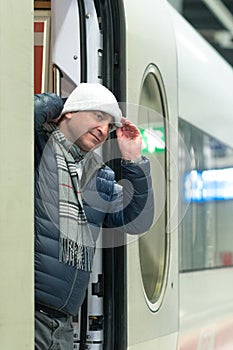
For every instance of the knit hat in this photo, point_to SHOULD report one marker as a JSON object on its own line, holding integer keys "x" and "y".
{"x": 93, "y": 97}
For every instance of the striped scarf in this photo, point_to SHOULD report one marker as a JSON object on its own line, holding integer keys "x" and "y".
{"x": 76, "y": 246}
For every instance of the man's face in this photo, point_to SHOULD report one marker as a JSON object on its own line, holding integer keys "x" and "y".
{"x": 87, "y": 129}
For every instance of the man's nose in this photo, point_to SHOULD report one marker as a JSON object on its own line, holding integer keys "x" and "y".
{"x": 103, "y": 128}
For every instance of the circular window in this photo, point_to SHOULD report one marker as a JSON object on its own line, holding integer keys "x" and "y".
{"x": 154, "y": 245}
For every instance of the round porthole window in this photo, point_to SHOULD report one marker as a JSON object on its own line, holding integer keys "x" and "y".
{"x": 154, "y": 245}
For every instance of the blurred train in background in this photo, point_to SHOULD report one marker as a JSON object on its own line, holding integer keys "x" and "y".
{"x": 170, "y": 288}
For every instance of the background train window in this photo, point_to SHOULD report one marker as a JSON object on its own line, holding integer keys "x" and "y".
{"x": 207, "y": 186}
{"x": 153, "y": 245}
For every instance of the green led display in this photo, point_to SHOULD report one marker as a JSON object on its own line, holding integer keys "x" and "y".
{"x": 153, "y": 139}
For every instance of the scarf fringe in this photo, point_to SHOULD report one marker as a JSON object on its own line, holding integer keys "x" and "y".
{"x": 75, "y": 254}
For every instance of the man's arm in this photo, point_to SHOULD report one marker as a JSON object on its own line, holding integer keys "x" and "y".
{"x": 132, "y": 207}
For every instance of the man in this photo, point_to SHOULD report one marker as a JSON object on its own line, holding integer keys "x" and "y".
{"x": 75, "y": 194}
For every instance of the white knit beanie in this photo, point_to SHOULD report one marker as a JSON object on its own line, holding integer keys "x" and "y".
{"x": 93, "y": 97}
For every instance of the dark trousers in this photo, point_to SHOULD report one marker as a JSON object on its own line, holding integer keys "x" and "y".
{"x": 53, "y": 333}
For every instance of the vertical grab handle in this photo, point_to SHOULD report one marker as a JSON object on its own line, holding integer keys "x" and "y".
{"x": 57, "y": 75}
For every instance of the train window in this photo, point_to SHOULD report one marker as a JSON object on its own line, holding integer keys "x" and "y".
{"x": 207, "y": 187}
{"x": 42, "y": 59}
{"x": 153, "y": 246}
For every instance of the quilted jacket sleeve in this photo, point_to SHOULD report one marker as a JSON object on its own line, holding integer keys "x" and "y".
{"x": 132, "y": 207}
{"x": 47, "y": 106}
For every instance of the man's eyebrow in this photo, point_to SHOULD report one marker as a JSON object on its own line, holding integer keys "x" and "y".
{"x": 100, "y": 112}
{"x": 106, "y": 115}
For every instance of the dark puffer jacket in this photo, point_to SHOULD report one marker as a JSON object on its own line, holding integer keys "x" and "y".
{"x": 57, "y": 285}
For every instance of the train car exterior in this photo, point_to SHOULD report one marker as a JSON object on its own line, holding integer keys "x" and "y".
{"x": 205, "y": 242}
{"x": 170, "y": 288}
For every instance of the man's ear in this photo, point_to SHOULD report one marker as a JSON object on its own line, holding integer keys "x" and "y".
{"x": 62, "y": 117}
{"x": 68, "y": 115}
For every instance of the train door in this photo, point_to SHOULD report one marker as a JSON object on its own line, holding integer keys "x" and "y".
{"x": 152, "y": 266}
